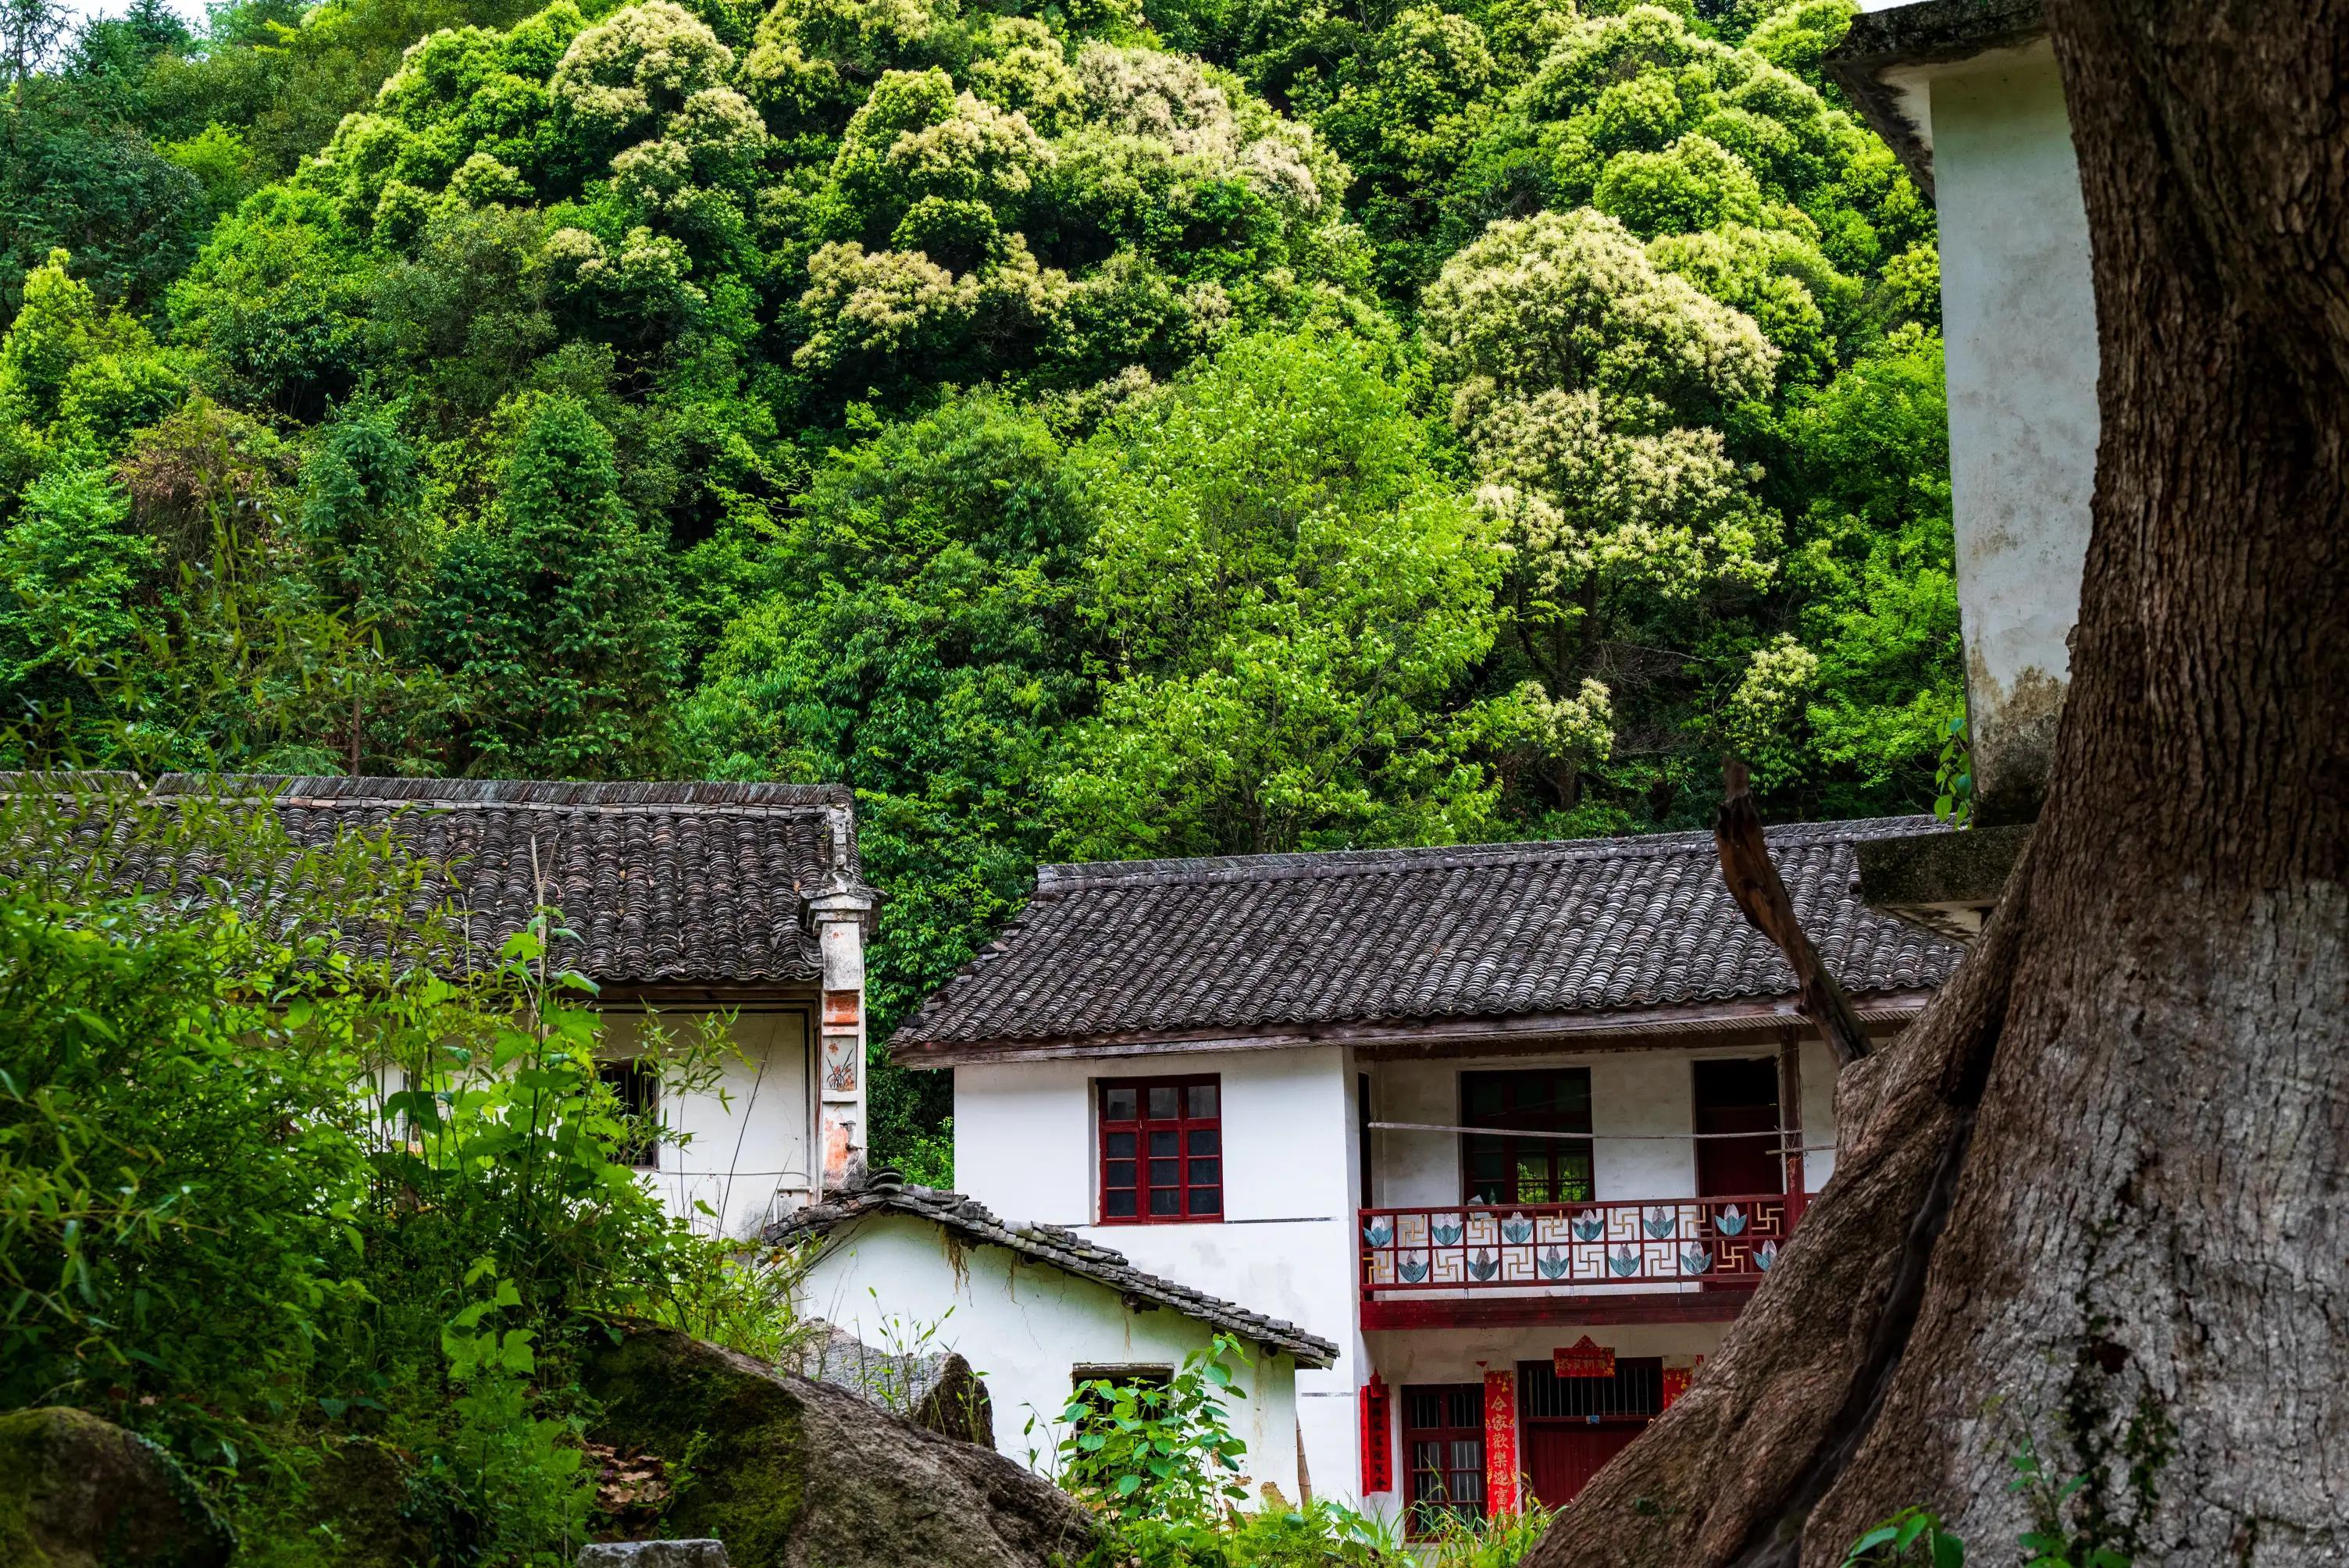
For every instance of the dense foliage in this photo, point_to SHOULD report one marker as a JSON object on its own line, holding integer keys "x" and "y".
{"x": 1088, "y": 429}
{"x": 274, "y": 1202}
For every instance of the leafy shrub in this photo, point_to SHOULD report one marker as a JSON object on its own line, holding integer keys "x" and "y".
{"x": 1158, "y": 1450}
{"x": 262, "y": 1193}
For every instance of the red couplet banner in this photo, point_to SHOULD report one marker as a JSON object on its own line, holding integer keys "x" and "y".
{"x": 1377, "y": 1447}
{"x": 1500, "y": 1443}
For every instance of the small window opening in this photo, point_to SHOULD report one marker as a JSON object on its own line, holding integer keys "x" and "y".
{"x": 636, "y": 1083}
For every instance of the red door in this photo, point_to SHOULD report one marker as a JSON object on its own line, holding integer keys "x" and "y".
{"x": 1562, "y": 1456}
{"x": 1738, "y": 1097}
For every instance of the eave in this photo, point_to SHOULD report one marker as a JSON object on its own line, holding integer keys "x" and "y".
{"x": 1883, "y": 63}
{"x": 1377, "y": 1038}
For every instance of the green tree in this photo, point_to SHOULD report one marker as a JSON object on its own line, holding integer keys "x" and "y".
{"x": 1591, "y": 387}
{"x": 919, "y": 639}
{"x": 552, "y": 615}
{"x": 77, "y": 573}
{"x": 1292, "y": 601}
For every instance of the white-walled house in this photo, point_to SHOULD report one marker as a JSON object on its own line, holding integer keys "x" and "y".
{"x": 686, "y": 899}
{"x": 1035, "y": 1308}
{"x": 1517, "y": 1128}
{"x": 1968, "y": 95}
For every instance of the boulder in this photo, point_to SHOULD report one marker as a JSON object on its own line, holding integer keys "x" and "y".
{"x": 654, "y": 1554}
{"x": 792, "y": 1473}
{"x": 938, "y": 1389}
{"x": 78, "y": 1491}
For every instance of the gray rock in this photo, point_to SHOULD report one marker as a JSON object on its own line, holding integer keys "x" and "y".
{"x": 793, "y": 1473}
{"x": 939, "y": 1390}
{"x": 653, "y": 1554}
{"x": 77, "y": 1490}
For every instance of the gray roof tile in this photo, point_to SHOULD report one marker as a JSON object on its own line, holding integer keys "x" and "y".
{"x": 663, "y": 883}
{"x": 1054, "y": 1245}
{"x": 1468, "y": 931}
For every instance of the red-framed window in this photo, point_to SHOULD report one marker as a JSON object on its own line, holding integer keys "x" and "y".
{"x": 1443, "y": 1446}
{"x": 1503, "y": 1169}
{"x": 1161, "y": 1149}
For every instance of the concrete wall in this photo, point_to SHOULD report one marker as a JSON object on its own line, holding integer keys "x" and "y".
{"x": 1024, "y": 1147}
{"x": 2018, "y": 312}
{"x": 749, "y": 1135}
{"x": 1025, "y": 1326}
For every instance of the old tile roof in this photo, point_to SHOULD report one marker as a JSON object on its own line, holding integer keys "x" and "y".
{"x": 1169, "y": 948}
{"x": 1062, "y": 1248}
{"x": 664, "y": 884}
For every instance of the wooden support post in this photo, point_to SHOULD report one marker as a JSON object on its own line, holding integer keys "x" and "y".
{"x": 1790, "y": 1116}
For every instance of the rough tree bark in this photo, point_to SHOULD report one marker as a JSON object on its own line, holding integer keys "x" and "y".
{"x": 2100, "y": 1193}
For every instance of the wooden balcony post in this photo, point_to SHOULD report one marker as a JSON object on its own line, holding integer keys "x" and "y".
{"x": 1790, "y": 1116}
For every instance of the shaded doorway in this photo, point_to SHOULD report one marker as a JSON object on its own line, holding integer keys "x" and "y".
{"x": 1740, "y": 1097}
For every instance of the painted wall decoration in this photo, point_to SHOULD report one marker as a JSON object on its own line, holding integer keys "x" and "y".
{"x": 1500, "y": 1443}
{"x": 1378, "y": 1444}
{"x": 841, "y": 1061}
{"x": 1584, "y": 1359}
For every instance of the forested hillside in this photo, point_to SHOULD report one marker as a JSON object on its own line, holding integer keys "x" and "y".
{"x": 1094, "y": 428}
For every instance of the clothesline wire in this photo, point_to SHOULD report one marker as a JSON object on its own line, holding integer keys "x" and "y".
{"x": 1778, "y": 1133}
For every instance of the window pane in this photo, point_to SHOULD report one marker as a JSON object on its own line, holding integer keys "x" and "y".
{"x": 1206, "y": 1201}
{"x": 1118, "y": 1104}
{"x": 1162, "y": 1200}
{"x": 1120, "y": 1205}
{"x": 1203, "y": 1100}
{"x": 1119, "y": 1173}
{"x": 1205, "y": 1171}
{"x": 1206, "y": 1141}
{"x": 1121, "y": 1145}
{"x": 1162, "y": 1173}
{"x": 1163, "y": 1143}
{"x": 1532, "y": 1178}
{"x": 1162, "y": 1102}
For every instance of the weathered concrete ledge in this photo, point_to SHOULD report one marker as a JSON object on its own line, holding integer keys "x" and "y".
{"x": 1945, "y": 882}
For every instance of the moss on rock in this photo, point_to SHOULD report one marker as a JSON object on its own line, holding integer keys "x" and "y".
{"x": 790, "y": 1473}
{"x": 78, "y": 1491}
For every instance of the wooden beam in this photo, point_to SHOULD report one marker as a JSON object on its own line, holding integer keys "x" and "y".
{"x": 1712, "y": 1306}
{"x": 1627, "y": 1028}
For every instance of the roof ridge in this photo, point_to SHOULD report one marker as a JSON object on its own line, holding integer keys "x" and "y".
{"x": 1062, "y": 1247}
{"x": 1284, "y": 865}
{"x": 659, "y": 794}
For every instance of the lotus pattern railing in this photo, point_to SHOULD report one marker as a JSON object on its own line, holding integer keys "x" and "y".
{"x": 1667, "y": 1241}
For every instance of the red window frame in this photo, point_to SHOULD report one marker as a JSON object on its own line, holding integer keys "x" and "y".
{"x": 1139, "y": 1144}
{"x": 1442, "y": 1454}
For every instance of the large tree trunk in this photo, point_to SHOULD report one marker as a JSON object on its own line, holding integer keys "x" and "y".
{"x": 2099, "y": 1200}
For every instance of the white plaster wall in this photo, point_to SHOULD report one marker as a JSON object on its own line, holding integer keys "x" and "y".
{"x": 1025, "y": 1326}
{"x": 2018, "y": 311}
{"x": 1819, "y": 1129}
{"x": 748, "y": 1136}
{"x": 1023, "y": 1146}
{"x": 1645, "y": 1098}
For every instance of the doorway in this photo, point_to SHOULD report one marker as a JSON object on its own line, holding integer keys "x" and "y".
{"x": 1573, "y": 1426}
{"x": 1738, "y": 1097}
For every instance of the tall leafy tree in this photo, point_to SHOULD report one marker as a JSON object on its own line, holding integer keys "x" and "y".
{"x": 1293, "y": 602}
{"x": 552, "y": 615}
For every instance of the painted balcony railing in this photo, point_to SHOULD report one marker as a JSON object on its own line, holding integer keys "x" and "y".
{"x": 1572, "y": 1246}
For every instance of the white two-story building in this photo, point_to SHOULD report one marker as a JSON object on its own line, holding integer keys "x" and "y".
{"x": 1516, "y": 1128}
